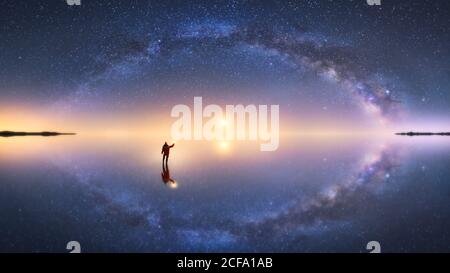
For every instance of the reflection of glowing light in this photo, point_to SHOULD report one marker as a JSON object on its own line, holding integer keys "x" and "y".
{"x": 173, "y": 185}
{"x": 224, "y": 145}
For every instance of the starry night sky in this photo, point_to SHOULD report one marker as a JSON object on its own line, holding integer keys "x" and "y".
{"x": 51, "y": 51}
{"x": 122, "y": 65}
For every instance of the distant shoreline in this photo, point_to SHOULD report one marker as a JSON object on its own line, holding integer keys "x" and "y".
{"x": 424, "y": 134}
{"x": 44, "y": 134}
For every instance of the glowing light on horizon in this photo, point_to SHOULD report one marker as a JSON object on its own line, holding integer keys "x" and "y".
{"x": 224, "y": 123}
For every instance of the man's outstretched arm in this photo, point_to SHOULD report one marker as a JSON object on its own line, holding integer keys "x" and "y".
{"x": 171, "y": 146}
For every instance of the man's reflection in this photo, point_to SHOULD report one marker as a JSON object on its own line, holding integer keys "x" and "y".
{"x": 165, "y": 175}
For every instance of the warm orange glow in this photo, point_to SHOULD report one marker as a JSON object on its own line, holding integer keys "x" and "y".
{"x": 142, "y": 135}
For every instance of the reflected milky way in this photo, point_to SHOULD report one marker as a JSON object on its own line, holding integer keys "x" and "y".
{"x": 204, "y": 213}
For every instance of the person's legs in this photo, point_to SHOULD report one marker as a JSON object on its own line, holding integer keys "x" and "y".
{"x": 164, "y": 159}
{"x": 167, "y": 159}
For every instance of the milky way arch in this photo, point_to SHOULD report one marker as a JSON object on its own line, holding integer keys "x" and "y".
{"x": 332, "y": 61}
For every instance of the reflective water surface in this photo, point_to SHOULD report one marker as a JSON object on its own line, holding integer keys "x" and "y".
{"x": 315, "y": 194}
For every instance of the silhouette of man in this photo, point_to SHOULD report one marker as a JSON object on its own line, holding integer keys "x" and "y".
{"x": 165, "y": 175}
{"x": 165, "y": 151}
{"x": 167, "y": 179}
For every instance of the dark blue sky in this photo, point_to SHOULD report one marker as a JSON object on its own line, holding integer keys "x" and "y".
{"x": 49, "y": 49}
{"x": 324, "y": 62}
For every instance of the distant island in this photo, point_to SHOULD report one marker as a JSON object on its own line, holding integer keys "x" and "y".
{"x": 424, "y": 134}
{"x": 44, "y": 134}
